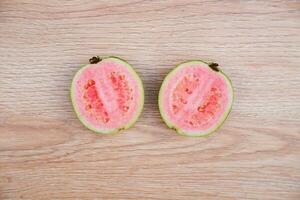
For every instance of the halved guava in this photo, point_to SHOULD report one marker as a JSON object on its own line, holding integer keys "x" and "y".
{"x": 195, "y": 98}
{"x": 107, "y": 95}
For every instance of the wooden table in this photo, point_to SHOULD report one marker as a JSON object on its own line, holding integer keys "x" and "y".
{"x": 45, "y": 153}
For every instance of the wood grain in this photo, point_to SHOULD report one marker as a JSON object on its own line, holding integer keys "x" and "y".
{"x": 45, "y": 153}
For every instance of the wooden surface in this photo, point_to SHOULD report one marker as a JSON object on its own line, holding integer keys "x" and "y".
{"x": 45, "y": 153}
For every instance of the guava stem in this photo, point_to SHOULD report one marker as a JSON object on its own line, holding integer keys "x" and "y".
{"x": 95, "y": 60}
{"x": 214, "y": 66}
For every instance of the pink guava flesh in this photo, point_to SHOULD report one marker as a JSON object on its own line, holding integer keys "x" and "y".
{"x": 107, "y": 95}
{"x": 195, "y": 98}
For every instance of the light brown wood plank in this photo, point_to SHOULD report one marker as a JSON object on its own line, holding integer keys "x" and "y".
{"x": 45, "y": 153}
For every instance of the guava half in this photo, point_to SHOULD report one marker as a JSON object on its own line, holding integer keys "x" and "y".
{"x": 195, "y": 98}
{"x": 107, "y": 95}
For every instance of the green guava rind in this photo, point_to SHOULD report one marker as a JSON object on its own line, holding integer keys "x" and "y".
{"x": 132, "y": 121}
{"x": 177, "y": 129}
